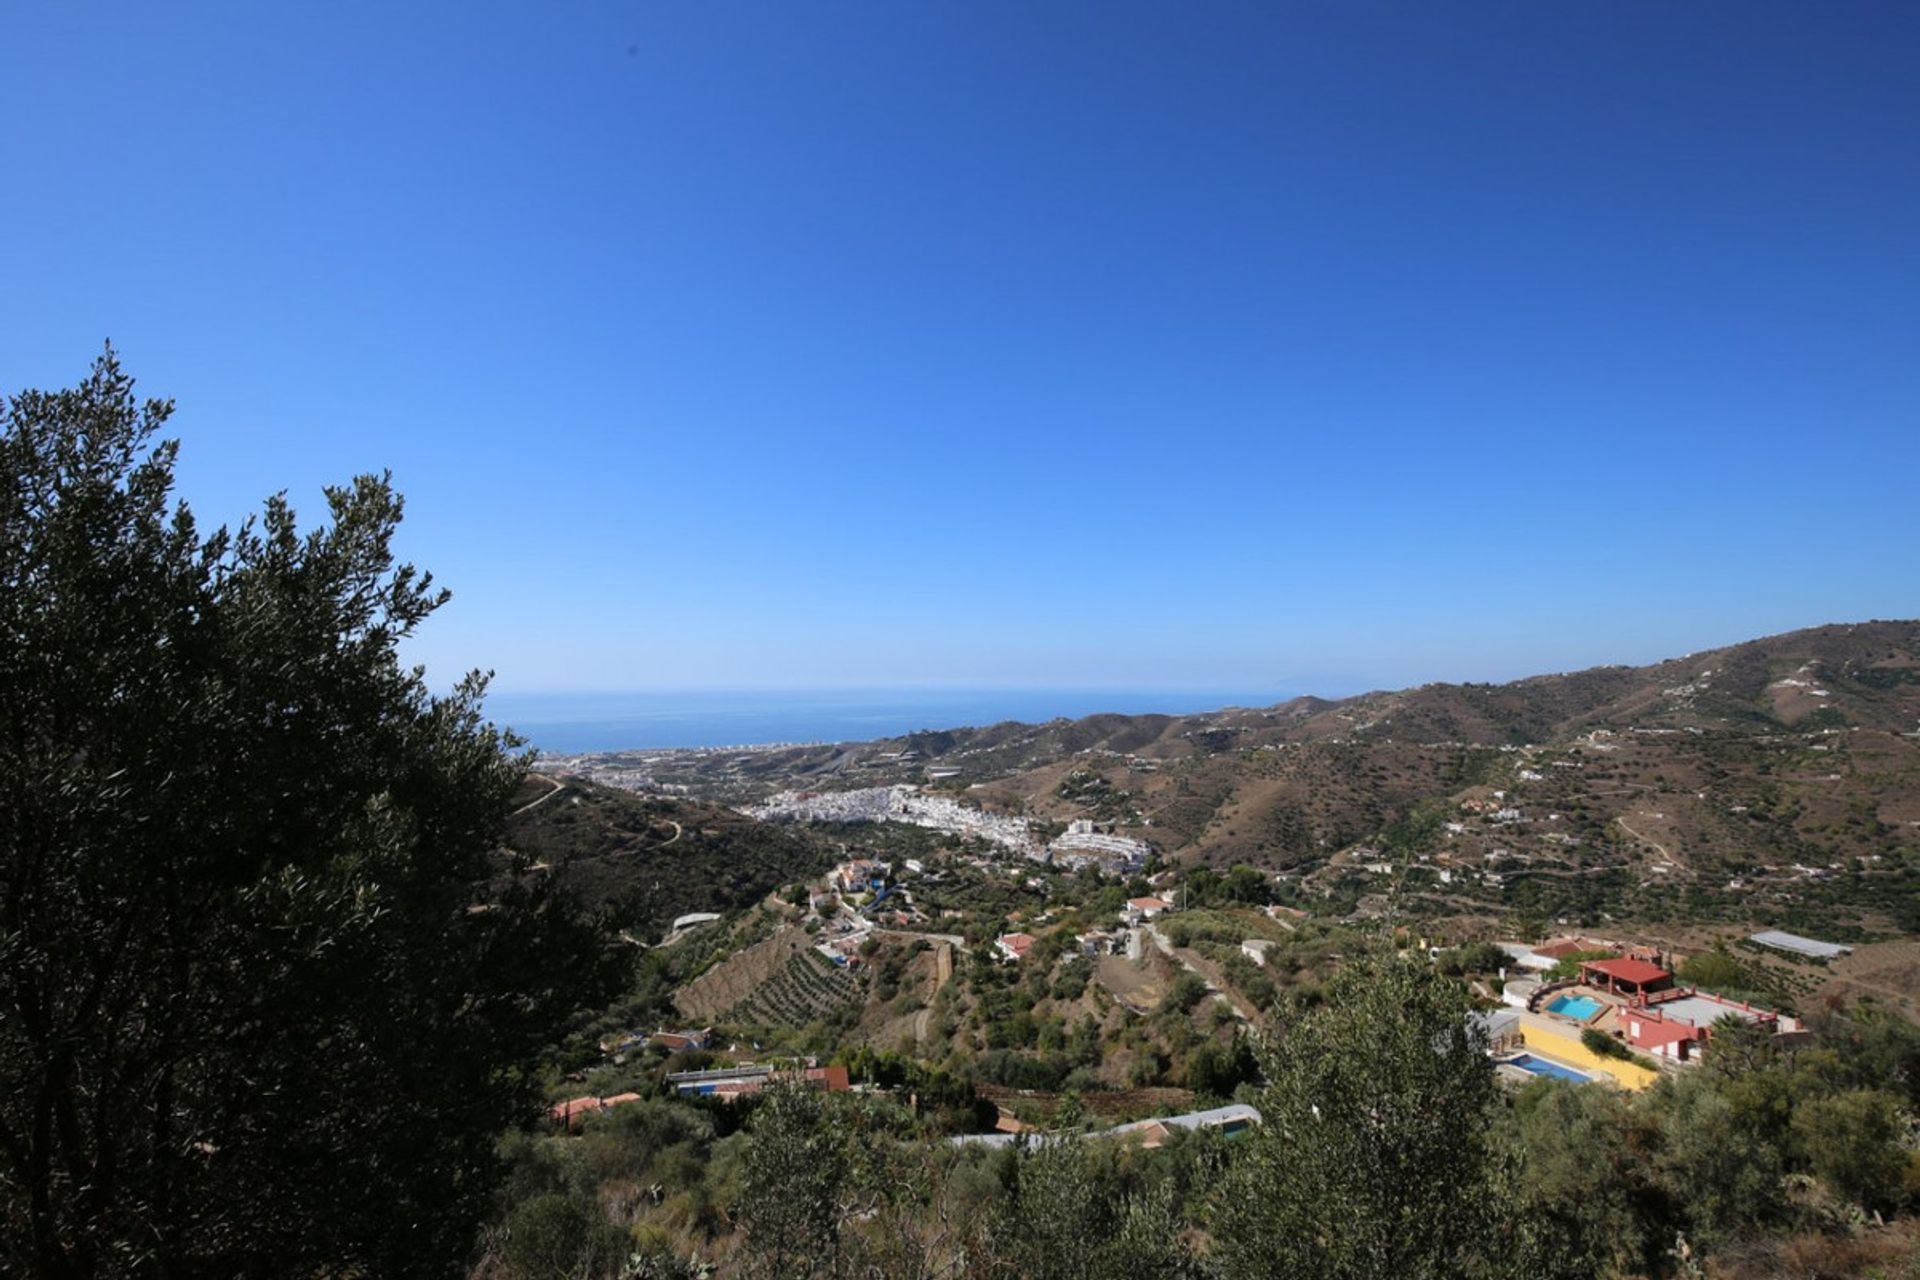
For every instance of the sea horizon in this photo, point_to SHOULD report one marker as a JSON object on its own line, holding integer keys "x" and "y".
{"x": 573, "y": 723}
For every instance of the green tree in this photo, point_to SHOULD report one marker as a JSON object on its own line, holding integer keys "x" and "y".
{"x": 1853, "y": 1142}
{"x": 1716, "y": 970}
{"x": 1214, "y": 1070}
{"x": 270, "y": 989}
{"x": 1247, "y": 884}
{"x": 1715, "y": 1162}
{"x": 1586, "y": 1199}
{"x": 1069, "y": 1216}
{"x": 796, "y": 1169}
{"x": 554, "y": 1236}
{"x": 1377, "y": 1155}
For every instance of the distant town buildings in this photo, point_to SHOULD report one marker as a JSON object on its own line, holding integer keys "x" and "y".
{"x": 1081, "y": 845}
{"x": 901, "y": 803}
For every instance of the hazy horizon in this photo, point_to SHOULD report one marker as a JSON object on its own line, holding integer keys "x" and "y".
{"x": 568, "y": 721}
{"x": 1339, "y": 685}
{"x": 582, "y": 722}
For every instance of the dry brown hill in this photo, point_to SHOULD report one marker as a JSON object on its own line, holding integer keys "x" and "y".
{"x": 1780, "y": 776}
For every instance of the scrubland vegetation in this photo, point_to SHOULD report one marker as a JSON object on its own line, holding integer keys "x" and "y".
{"x": 1387, "y": 1149}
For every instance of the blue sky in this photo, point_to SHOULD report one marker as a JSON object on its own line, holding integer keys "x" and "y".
{"x": 1254, "y": 346}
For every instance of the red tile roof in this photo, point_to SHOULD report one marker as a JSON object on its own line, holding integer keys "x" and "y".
{"x": 683, "y": 1039}
{"x": 833, "y": 1079}
{"x": 1652, "y": 1033}
{"x": 1638, "y": 972}
{"x": 564, "y": 1112}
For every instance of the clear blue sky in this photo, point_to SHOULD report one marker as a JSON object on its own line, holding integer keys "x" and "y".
{"x": 1254, "y": 346}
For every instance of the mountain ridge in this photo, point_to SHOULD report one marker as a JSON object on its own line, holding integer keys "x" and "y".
{"x": 1708, "y": 778}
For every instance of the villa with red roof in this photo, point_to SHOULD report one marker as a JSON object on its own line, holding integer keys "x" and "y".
{"x": 1678, "y": 1024}
{"x": 569, "y": 1114}
{"x": 1013, "y": 946}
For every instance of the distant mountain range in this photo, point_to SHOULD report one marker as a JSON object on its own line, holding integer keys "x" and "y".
{"x": 1779, "y": 778}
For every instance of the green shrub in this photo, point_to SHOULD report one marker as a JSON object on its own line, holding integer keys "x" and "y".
{"x": 1603, "y": 1044}
{"x": 555, "y": 1236}
{"x": 1188, "y": 990}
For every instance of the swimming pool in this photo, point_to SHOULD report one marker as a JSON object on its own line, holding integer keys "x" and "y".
{"x": 1541, "y": 1067}
{"x": 1579, "y": 1008}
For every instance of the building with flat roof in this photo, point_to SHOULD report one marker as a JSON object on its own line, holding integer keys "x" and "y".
{"x": 733, "y": 1082}
{"x": 1678, "y": 1026}
{"x": 1503, "y": 1028}
{"x": 1518, "y": 993}
{"x": 1230, "y": 1120}
{"x": 1526, "y": 957}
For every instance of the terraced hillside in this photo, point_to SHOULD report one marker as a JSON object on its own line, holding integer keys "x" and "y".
{"x": 1776, "y": 781}
{"x": 736, "y": 978}
{"x": 807, "y": 989}
{"x": 778, "y": 981}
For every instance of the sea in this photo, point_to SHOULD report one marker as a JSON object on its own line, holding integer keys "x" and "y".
{"x": 573, "y": 723}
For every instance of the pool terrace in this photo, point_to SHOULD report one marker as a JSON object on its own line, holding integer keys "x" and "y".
{"x": 1580, "y": 1008}
{"x": 1536, "y": 1064}
{"x": 1577, "y": 1004}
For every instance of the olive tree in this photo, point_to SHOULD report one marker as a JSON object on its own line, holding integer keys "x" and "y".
{"x": 269, "y": 987}
{"x": 1378, "y": 1154}
{"x": 795, "y": 1175}
{"x": 1069, "y": 1216}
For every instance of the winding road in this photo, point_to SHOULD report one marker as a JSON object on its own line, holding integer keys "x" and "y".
{"x": 558, "y": 787}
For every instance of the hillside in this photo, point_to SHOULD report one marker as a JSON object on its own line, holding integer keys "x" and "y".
{"x": 1779, "y": 777}
{"x": 652, "y": 858}
{"x": 984, "y": 984}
